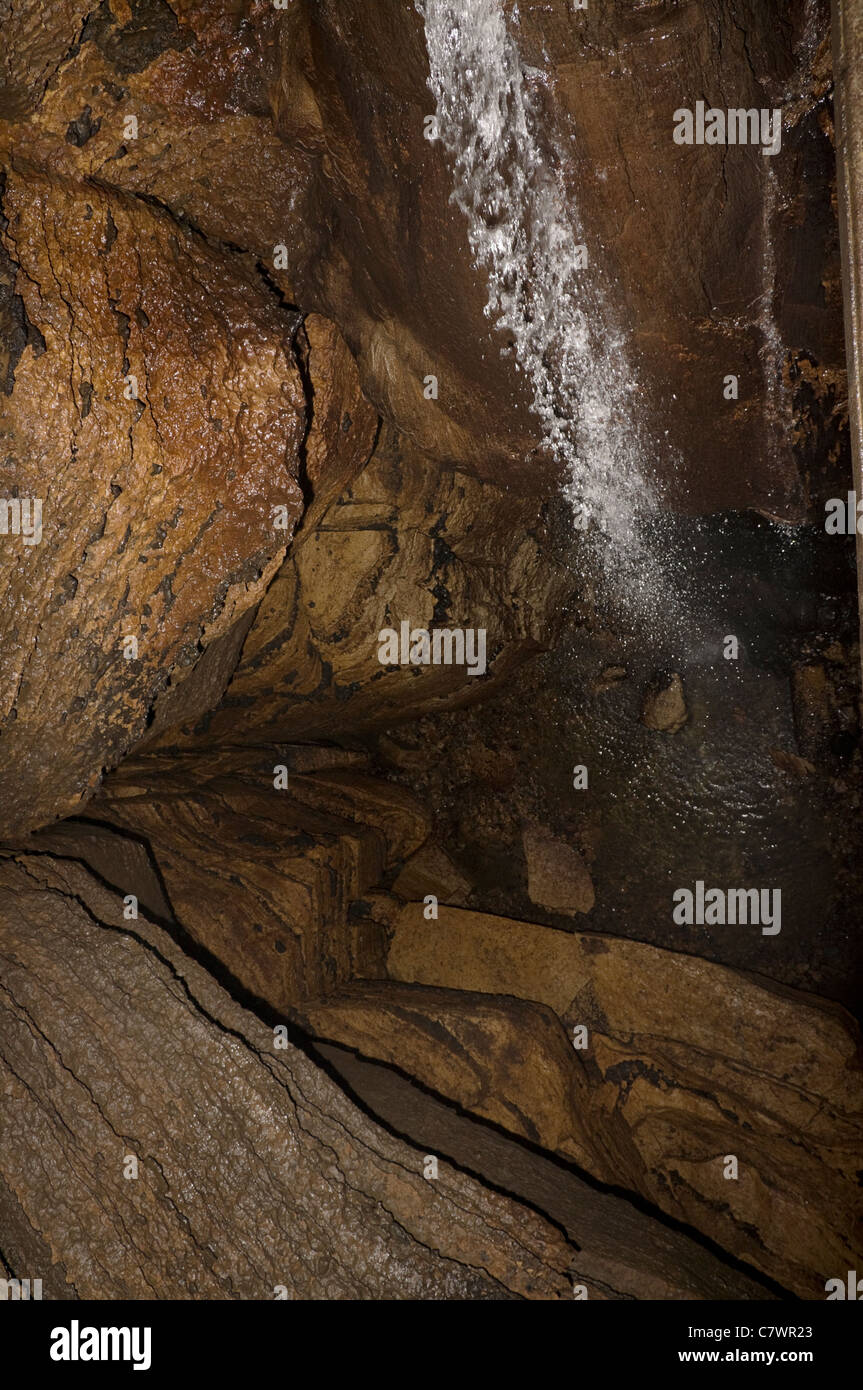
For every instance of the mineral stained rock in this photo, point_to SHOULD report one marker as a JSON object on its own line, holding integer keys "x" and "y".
{"x": 686, "y": 1063}
{"x": 403, "y": 543}
{"x": 300, "y": 135}
{"x": 604, "y": 82}
{"x": 153, "y": 426}
{"x": 557, "y": 877}
{"x": 35, "y": 40}
{"x": 274, "y": 911}
{"x": 202, "y": 141}
{"x": 342, "y": 429}
{"x": 271, "y": 1180}
{"x": 344, "y": 426}
{"x": 508, "y": 1060}
{"x": 623, "y": 1252}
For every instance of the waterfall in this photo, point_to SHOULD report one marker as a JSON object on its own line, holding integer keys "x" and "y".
{"x": 525, "y": 234}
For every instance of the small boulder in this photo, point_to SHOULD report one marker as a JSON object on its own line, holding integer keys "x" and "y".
{"x": 430, "y": 870}
{"x": 557, "y": 876}
{"x": 664, "y": 706}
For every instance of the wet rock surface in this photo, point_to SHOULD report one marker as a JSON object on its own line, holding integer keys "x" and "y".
{"x": 246, "y": 365}
{"x": 143, "y": 434}
{"x": 557, "y": 877}
{"x": 404, "y": 543}
{"x": 607, "y": 84}
{"x": 663, "y": 1084}
{"x": 762, "y": 785}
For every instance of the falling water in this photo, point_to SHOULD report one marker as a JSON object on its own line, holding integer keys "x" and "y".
{"x": 525, "y": 234}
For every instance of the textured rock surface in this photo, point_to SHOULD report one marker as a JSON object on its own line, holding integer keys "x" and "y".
{"x": 35, "y": 40}
{"x": 271, "y": 1178}
{"x": 158, "y": 511}
{"x": 557, "y": 877}
{"x": 686, "y": 1063}
{"x": 177, "y": 177}
{"x": 344, "y": 426}
{"x": 404, "y": 542}
{"x": 661, "y": 219}
{"x": 196, "y": 78}
{"x": 507, "y": 1060}
{"x": 274, "y": 910}
{"x": 622, "y": 1252}
{"x": 304, "y": 128}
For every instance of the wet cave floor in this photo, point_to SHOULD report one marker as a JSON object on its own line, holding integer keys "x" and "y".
{"x": 761, "y": 784}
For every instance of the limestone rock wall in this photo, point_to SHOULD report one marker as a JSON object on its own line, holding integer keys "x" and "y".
{"x": 267, "y": 901}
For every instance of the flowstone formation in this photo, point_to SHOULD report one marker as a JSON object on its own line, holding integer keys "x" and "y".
{"x": 401, "y": 610}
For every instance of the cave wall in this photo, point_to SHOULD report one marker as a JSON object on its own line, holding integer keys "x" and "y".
{"x": 218, "y": 324}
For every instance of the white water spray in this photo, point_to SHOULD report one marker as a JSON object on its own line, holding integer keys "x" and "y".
{"x": 525, "y": 234}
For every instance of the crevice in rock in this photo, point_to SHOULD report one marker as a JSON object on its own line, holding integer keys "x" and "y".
{"x": 515, "y": 1168}
{"x": 16, "y": 330}
{"x": 300, "y": 344}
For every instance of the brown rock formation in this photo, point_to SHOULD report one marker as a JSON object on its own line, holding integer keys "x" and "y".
{"x": 195, "y": 78}
{"x": 305, "y": 130}
{"x": 507, "y": 1060}
{"x": 229, "y": 265}
{"x": 607, "y": 84}
{"x": 34, "y": 43}
{"x": 677, "y": 1074}
{"x": 557, "y": 877}
{"x": 155, "y": 420}
{"x": 271, "y": 1178}
{"x": 403, "y": 543}
{"x": 431, "y": 871}
{"x": 274, "y": 911}
{"x": 661, "y": 1088}
{"x": 623, "y": 1253}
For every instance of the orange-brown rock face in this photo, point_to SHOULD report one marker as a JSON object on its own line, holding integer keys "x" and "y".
{"x": 151, "y": 434}
{"x": 294, "y": 356}
{"x": 301, "y": 136}
{"x": 35, "y": 38}
{"x": 403, "y": 543}
{"x": 682, "y": 236}
{"x": 662, "y": 1067}
{"x": 175, "y": 106}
